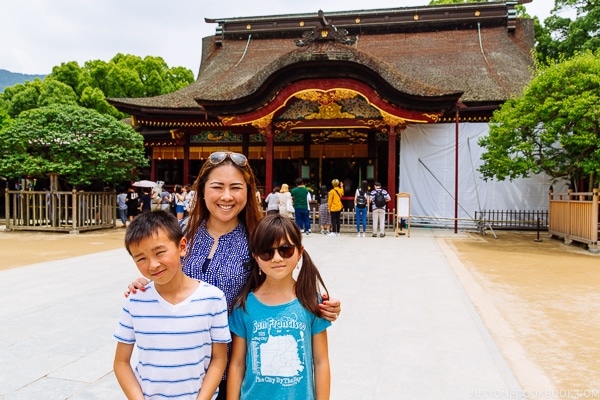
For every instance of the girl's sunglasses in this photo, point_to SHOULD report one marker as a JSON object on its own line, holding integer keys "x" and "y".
{"x": 285, "y": 251}
{"x": 219, "y": 156}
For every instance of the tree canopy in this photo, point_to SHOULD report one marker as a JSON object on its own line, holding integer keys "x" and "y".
{"x": 553, "y": 128}
{"x": 90, "y": 85}
{"x": 79, "y": 144}
{"x": 562, "y": 37}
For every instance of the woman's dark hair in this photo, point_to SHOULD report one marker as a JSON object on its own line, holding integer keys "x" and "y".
{"x": 270, "y": 232}
{"x": 249, "y": 216}
{"x": 324, "y": 192}
{"x": 364, "y": 186}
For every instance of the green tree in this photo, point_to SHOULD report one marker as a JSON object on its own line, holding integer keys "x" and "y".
{"x": 90, "y": 85}
{"x": 34, "y": 94}
{"x": 562, "y": 37}
{"x": 79, "y": 144}
{"x": 54, "y": 92}
{"x": 4, "y": 118}
{"x": 21, "y": 97}
{"x": 553, "y": 128}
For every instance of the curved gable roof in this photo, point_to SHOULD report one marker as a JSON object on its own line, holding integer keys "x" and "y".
{"x": 487, "y": 63}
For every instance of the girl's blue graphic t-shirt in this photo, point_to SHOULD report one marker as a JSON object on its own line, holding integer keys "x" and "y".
{"x": 279, "y": 363}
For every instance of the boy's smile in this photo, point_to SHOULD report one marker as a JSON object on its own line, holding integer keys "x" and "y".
{"x": 158, "y": 258}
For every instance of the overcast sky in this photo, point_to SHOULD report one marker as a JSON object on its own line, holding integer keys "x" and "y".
{"x": 40, "y": 34}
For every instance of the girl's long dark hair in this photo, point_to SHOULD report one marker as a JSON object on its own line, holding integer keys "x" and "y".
{"x": 268, "y": 233}
{"x": 324, "y": 192}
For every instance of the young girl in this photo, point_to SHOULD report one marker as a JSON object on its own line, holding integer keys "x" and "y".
{"x": 324, "y": 216}
{"x": 279, "y": 348}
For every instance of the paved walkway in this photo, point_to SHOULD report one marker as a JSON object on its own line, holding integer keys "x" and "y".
{"x": 407, "y": 330}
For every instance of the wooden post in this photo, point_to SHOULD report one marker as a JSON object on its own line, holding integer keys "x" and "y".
{"x": 74, "y": 213}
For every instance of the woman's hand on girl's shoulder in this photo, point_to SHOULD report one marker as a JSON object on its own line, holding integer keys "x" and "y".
{"x": 138, "y": 284}
{"x": 330, "y": 308}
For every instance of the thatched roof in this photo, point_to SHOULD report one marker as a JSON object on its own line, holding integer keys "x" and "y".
{"x": 477, "y": 49}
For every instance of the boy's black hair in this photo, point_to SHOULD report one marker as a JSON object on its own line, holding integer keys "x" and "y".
{"x": 148, "y": 224}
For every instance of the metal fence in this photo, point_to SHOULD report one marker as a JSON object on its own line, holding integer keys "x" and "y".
{"x": 495, "y": 219}
{"x": 60, "y": 211}
{"x": 512, "y": 219}
{"x": 348, "y": 220}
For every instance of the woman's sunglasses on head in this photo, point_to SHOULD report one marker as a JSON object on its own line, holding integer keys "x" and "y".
{"x": 219, "y": 156}
{"x": 285, "y": 251}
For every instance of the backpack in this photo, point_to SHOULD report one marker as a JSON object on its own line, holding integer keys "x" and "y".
{"x": 379, "y": 199}
{"x": 361, "y": 199}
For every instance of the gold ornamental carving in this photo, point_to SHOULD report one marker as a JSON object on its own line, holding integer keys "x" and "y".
{"x": 392, "y": 120}
{"x": 330, "y": 111}
{"x": 263, "y": 122}
{"x": 286, "y": 125}
{"x": 227, "y": 120}
{"x": 177, "y": 134}
{"x": 326, "y": 97}
{"x": 328, "y": 108}
{"x": 346, "y": 135}
{"x": 433, "y": 117}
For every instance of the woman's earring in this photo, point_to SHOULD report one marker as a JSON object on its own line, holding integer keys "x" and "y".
{"x": 259, "y": 272}
{"x": 299, "y": 263}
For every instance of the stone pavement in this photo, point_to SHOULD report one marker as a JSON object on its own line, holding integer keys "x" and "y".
{"x": 408, "y": 329}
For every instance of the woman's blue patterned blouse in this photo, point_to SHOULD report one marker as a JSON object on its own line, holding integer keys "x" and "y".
{"x": 229, "y": 267}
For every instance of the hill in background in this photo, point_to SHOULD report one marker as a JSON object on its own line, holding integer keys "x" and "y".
{"x": 8, "y": 78}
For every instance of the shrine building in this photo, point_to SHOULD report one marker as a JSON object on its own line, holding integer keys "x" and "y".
{"x": 355, "y": 95}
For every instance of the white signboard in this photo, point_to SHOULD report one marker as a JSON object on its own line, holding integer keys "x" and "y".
{"x": 402, "y": 212}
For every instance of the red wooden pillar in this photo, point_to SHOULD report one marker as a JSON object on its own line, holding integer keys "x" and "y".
{"x": 456, "y": 138}
{"x": 186, "y": 161}
{"x": 269, "y": 156}
{"x": 153, "y": 167}
{"x": 392, "y": 167}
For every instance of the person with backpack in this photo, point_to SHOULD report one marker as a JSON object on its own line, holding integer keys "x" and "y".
{"x": 379, "y": 199}
{"x": 301, "y": 206}
{"x": 361, "y": 207}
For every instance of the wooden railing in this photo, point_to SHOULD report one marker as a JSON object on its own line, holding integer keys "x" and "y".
{"x": 574, "y": 217}
{"x": 60, "y": 211}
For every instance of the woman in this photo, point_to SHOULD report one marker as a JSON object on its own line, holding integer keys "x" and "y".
{"x": 285, "y": 201}
{"x": 324, "y": 216}
{"x": 361, "y": 207}
{"x": 180, "y": 194}
{"x": 133, "y": 204}
{"x": 272, "y": 201}
{"x": 335, "y": 205}
{"x": 190, "y": 198}
{"x": 225, "y": 214}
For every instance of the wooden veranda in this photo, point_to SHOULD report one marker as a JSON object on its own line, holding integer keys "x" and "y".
{"x": 573, "y": 216}
{"x": 54, "y": 211}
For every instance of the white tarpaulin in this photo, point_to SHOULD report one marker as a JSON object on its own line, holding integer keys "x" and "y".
{"x": 427, "y": 165}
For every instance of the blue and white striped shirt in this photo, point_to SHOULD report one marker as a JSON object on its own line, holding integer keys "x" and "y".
{"x": 174, "y": 340}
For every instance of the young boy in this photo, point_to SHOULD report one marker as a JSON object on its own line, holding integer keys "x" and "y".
{"x": 179, "y": 324}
